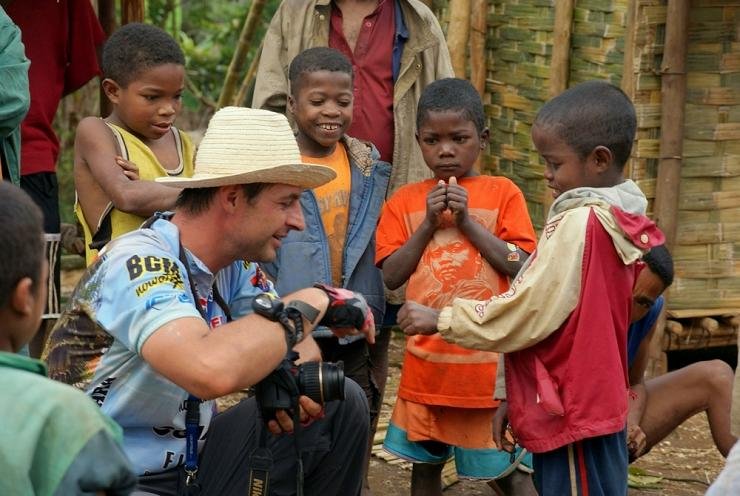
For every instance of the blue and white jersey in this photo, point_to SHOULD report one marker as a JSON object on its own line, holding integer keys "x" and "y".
{"x": 137, "y": 286}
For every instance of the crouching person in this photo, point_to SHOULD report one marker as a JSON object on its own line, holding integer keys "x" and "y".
{"x": 54, "y": 439}
{"x": 171, "y": 317}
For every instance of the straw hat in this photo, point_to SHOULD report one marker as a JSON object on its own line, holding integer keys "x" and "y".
{"x": 244, "y": 145}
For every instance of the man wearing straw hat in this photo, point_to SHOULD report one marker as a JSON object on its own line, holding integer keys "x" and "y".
{"x": 158, "y": 327}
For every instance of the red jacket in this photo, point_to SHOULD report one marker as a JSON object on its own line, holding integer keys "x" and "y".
{"x": 563, "y": 325}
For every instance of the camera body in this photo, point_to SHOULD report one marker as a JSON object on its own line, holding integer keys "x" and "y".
{"x": 320, "y": 381}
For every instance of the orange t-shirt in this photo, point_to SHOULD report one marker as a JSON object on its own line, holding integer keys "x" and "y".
{"x": 436, "y": 372}
{"x": 333, "y": 200}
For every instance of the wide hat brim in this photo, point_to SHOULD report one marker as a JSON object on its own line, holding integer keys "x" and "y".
{"x": 302, "y": 175}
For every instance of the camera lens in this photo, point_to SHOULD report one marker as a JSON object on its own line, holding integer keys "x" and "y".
{"x": 322, "y": 381}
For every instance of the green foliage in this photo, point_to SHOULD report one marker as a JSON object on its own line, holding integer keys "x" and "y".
{"x": 207, "y": 32}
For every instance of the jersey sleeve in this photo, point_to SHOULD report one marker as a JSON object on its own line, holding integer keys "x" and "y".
{"x": 139, "y": 293}
{"x": 246, "y": 280}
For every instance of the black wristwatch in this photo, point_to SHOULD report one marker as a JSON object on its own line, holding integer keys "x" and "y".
{"x": 272, "y": 308}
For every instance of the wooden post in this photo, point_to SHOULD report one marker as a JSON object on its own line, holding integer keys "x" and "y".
{"x": 240, "y": 54}
{"x": 107, "y": 18}
{"x": 478, "y": 27}
{"x": 628, "y": 63}
{"x": 458, "y": 34}
{"x": 560, "y": 63}
{"x": 673, "y": 96}
{"x": 132, "y": 11}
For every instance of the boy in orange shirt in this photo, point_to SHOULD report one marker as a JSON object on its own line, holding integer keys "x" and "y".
{"x": 457, "y": 235}
{"x": 337, "y": 247}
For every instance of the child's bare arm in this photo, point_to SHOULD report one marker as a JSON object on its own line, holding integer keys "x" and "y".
{"x": 97, "y": 148}
{"x": 398, "y": 267}
{"x": 506, "y": 258}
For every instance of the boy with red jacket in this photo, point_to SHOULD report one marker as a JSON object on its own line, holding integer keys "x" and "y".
{"x": 563, "y": 323}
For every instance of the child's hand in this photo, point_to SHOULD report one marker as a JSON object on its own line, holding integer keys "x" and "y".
{"x": 500, "y": 428}
{"x": 130, "y": 170}
{"x": 457, "y": 201}
{"x": 436, "y": 204}
{"x": 636, "y": 441}
{"x": 414, "y": 318}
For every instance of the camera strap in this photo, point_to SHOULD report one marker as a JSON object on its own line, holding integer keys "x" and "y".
{"x": 261, "y": 461}
{"x": 192, "y": 404}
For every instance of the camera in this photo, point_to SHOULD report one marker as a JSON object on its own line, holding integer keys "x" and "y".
{"x": 320, "y": 381}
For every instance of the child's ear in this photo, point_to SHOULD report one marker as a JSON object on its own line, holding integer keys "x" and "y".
{"x": 485, "y": 135}
{"x": 22, "y": 297}
{"x": 602, "y": 157}
{"x": 111, "y": 90}
{"x": 291, "y": 104}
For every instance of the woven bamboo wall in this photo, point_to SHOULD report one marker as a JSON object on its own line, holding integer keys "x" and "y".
{"x": 520, "y": 37}
{"x": 519, "y": 52}
{"x": 707, "y": 251}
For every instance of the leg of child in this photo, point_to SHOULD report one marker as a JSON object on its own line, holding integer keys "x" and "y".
{"x": 426, "y": 479}
{"x": 516, "y": 483}
{"x": 678, "y": 395}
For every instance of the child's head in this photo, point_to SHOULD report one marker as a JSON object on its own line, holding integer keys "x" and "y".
{"x": 585, "y": 136}
{"x": 451, "y": 127}
{"x": 652, "y": 281}
{"x": 23, "y": 268}
{"x": 321, "y": 96}
{"x": 144, "y": 71}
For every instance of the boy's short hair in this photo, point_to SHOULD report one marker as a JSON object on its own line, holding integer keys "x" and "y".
{"x": 452, "y": 94}
{"x": 660, "y": 262}
{"x": 591, "y": 114}
{"x": 314, "y": 60}
{"x": 22, "y": 241}
{"x": 136, "y": 47}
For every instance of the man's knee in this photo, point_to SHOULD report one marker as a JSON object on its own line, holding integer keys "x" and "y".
{"x": 718, "y": 374}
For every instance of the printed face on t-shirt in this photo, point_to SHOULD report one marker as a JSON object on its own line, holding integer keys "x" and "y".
{"x": 322, "y": 109}
{"x": 450, "y": 143}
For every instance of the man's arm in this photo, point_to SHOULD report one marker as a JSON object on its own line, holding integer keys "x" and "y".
{"x": 97, "y": 149}
{"x": 239, "y": 354}
{"x": 271, "y": 84}
{"x": 539, "y": 301}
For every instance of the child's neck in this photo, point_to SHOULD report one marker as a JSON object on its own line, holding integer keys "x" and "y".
{"x": 312, "y": 149}
{"x": 114, "y": 119}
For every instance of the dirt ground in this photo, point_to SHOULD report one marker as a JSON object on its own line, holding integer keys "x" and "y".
{"x": 687, "y": 460}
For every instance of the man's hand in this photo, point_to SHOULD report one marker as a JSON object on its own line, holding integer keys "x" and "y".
{"x": 348, "y": 313}
{"x": 436, "y": 204}
{"x": 310, "y": 411}
{"x": 636, "y": 441}
{"x": 414, "y": 318}
{"x": 130, "y": 169}
{"x": 500, "y": 428}
{"x": 457, "y": 202}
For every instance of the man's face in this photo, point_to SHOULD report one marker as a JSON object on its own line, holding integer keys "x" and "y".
{"x": 266, "y": 219}
{"x": 648, "y": 287}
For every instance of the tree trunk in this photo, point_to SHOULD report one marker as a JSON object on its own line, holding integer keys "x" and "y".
{"x": 240, "y": 55}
